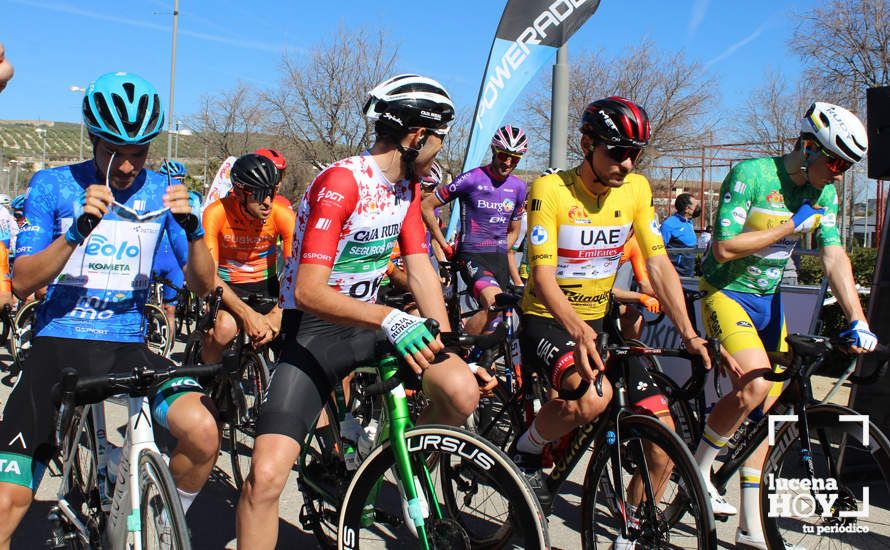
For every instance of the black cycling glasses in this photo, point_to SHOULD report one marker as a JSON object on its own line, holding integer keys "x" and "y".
{"x": 620, "y": 153}
{"x": 260, "y": 195}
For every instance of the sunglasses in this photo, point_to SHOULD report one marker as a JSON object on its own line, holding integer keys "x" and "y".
{"x": 504, "y": 156}
{"x": 835, "y": 165}
{"x": 260, "y": 195}
{"x": 620, "y": 153}
{"x": 125, "y": 212}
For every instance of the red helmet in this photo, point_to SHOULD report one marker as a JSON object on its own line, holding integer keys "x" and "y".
{"x": 274, "y": 156}
{"x": 616, "y": 121}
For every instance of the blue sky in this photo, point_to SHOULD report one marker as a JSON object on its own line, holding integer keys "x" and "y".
{"x": 56, "y": 43}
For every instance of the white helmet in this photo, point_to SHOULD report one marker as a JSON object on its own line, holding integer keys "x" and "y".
{"x": 410, "y": 101}
{"x": 836, "y": 129}
{"x": 4, "y": 199}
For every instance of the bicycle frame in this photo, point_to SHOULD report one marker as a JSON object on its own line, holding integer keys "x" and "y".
{"x": 124, "y": 521}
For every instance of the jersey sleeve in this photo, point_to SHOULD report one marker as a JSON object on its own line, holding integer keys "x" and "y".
{"x": 412, "y": 237}
{"x": 285, "y": 221}
{"x": 213, "y": 222}
{"x": 5, "y": 283}
{"x": 737, "y": 193}
{"x": 646, "y": 229}
{"x": 827, "y": 234}
{"x": 543, "y": 221}
{"x": 37, "y": 233}
{"x": 332, "y": 200}
{"x": 519, "y": 211}
{"x": 455, "y": 189}
{"x": 179, "y": 243}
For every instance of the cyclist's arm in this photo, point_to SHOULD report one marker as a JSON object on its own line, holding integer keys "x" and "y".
{"x": 840, "y": 278}
{"x": 428, "y": 208}
{"x": 625, "y": 296}
{"x": 745, "y": 244}
{"x": 512, "y": 237}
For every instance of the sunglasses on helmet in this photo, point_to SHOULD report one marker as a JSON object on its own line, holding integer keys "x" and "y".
{"x": 620, "y": 153}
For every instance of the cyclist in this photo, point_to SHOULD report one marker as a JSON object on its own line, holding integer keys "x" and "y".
{"x": 18, "y": 210}
{"x": 767, "y": 205}
{"x": 167, "y": 263}
{"x": 281, "y": 163}
{"x": 242, "y": 232}
{"x": 491, "y": 202}
{"x": 6, "y": 297}
{"x": 579, "y": 221}
{"x": 9, "y": 229}
{"x": 348, "y": 220}
{"x": 91, "y": 235}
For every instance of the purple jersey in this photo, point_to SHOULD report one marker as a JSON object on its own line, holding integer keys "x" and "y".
{"x": 486, "y": 208}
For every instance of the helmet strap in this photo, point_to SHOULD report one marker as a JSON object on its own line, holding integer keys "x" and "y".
{"x": 409, "y": 155}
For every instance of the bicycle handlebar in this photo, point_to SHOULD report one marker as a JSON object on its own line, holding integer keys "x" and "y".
{"x": 811, "y": 351}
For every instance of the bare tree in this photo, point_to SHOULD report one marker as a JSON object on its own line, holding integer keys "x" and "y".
{"x": 677, "y": 94}
{"x": 229, "y": 123}
{"x": 454, "y": 150}
{"x": 772, "y": 113}
{"x": 317, "y": 108}
{"x": 845, "y": 46}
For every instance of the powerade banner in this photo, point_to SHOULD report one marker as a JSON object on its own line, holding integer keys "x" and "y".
{"x": 527, "y": 38}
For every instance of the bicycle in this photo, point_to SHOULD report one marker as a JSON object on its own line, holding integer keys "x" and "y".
{"x": 189, "y": 308}
{"x": 369, "y": 505}
{"x": 157, "y": 329}
{"x": 22, "y": 329}
{"x": 815, "y": 446}
{"x": 237, "y": 399}
{"x": 139, "y": 506}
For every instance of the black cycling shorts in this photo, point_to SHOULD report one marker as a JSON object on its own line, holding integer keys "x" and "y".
{"x": 26, "y": 428}
{"x": 483, "y": 270}
{"x": 548, "y": 348}
{"x": 264, "y": 289}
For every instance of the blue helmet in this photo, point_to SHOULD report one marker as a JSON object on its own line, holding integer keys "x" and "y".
{"x": 18, "y": 203}
{"x": 123, "y": 108}
{"x": 175, "y": 168}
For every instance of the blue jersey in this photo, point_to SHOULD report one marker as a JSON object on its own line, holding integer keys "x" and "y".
{"x": 101, "y": 291}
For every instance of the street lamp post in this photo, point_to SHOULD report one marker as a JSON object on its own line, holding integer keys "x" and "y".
{"x": 172, "y": 78}
{"x": 81, "y": 90}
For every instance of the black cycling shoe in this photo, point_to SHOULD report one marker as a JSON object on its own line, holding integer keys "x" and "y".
{"x": 529, "y": 465}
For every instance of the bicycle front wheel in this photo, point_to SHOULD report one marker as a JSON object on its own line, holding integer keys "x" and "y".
{"x": 163, "y": 522}
{"x": 247, "y": 397}
{"x": 20, "y": 343}
{"x": 664, "y": 502}
{"x": 372, "y": 511}
{"x": 852, "y": 479}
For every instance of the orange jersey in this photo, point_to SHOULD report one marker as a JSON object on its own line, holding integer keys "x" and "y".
{"x": 5, "y": 283}
{"x": 634, "y": 255}
{"x": 245, "y": 248}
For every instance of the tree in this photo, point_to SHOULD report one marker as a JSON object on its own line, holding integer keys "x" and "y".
{"x": 676, "y": 93}
{"x": 229, "y": 123}
{"x": 772, "y": 113}
{"x": 318, "y": 105}
{"x": 845, "y": 46}
{"x": 454, "y": 150}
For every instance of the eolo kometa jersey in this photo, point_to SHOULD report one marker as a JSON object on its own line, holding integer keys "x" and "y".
{"x": 758, "y": 194}
{"x": 582, "y": 235}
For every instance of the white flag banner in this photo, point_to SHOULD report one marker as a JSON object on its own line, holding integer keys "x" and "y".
{"x": 222, "y": 183}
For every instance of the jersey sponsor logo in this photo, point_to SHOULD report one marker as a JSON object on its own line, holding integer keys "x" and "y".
{"x": 653, "y": 227}
{"x": 28, "y": 227}
{"x": 537, "y": 257}
{"x": 754, "y": 270}
{"x": 506, "y": 205}
{"x": 538, "y": 235}
{"x": 99, "y": 246}
{"x": 10, "y": 466}
{"x": 579, "y": 298}
{"x": 497, "y": 219}
{"x": 775, "y": 199}
{"x": 326, "y": 194}
{"x": 739, "y": 214}
{"x": 93, "y": 308}
{"x": 323, "y": 224}
{"x": 317, "y": 256}
{"x": 727, "y": 197}
{"x": 829, "y": 220}
{"x": 762, "y": 283}
{"x": 725, "y": 222}
{"x": 745, "y": 324}
{"x": 739, "y": 187}
{"x": 376, "y": 233}
{"x": 774, "y": 273}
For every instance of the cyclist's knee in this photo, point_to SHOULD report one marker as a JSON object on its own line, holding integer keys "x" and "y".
{"x": 14, "y": 502}
{"x": 453, "y": 388}
{"x": 225, "y": 328}
{"x": 754, "y": 392}
{"x": 194, "y": 426}
{"x": 266, "y": 481}
{"x": 591, "y": 406}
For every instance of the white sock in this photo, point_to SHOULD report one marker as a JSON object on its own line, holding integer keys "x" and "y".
{"x": 531, "y": 441}
{"x": 187, "y": 499}
{"x": 708, "y": 448}
{"x": 749, "y": 517}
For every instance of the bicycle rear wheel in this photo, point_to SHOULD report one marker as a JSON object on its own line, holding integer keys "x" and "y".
{"x": 854, "y": 473}
{"x": 671, "y": 509}
{"x": 371, "y": 513}
{"x": 163, "y": 522}
{"x": 247, "y": 398}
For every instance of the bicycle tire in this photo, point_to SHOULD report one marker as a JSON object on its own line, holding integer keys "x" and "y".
{"x": 828, "y": 432}
{"x": 4, "y": 331}
{"x": 600, "y": 516}
{"x": 158, "y": 332}
{"x": 20, "y": 343}
{"x": 450, "y": 443}
{"x": 82, "y": 494}
{"x": 247, "y": 398}
{"x": 160, "y": 508}
{"x": 686, "y": 423}
{"x": 322, "y": 468}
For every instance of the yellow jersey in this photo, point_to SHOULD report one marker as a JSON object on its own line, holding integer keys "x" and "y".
{"x": 583, "y": 235}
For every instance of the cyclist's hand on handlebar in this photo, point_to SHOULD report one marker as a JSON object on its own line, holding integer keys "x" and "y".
{"x": 411, "y": 338}
{"x": 448, "y": 250}
{"x": 862, "y": 339}
{"x": 274, "y": 318}
{"x": 6, "y": 299}
{"x": 259, "y": 328}
{"x": 699, "y": 346}
{"x": 487, "y": 381}
{"x": 650, "y": 302}
{"x": 587, "y": 356}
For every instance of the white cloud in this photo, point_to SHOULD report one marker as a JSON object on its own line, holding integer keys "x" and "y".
{"x": 741, "y": 43}
{"x": 699, "y": 8}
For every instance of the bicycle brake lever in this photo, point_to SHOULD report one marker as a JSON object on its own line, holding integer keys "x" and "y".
{"x": 598, "y": 384}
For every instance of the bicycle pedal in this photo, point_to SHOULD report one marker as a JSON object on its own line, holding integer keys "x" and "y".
{"x": 722, "y": 517}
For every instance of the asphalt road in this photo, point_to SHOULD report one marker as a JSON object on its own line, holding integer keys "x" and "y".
{"x": 212, "y": 516}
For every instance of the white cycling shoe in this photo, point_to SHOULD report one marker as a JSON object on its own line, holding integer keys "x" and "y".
{"x": 622, "y": 543}
{"x": 720, "y": 506}
{"x": 744, "y": 539}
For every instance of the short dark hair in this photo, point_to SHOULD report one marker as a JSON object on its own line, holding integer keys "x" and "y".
{"x": 683, "y": 201}
{"x": 386, "y": 133}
